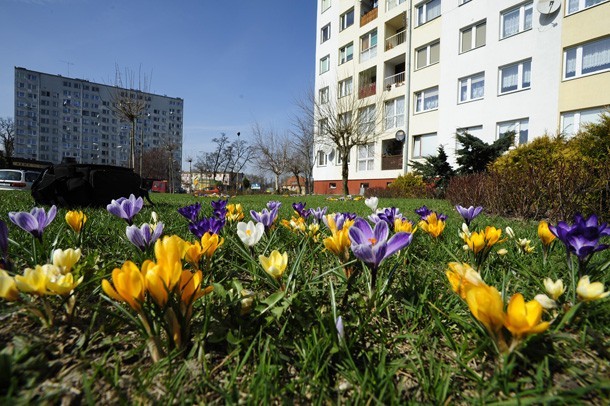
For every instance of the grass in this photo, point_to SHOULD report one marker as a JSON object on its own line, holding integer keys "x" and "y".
{"x": 414, "y": 341}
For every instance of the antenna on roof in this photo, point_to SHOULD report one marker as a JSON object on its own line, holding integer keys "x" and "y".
{"x": 68, "y": 63}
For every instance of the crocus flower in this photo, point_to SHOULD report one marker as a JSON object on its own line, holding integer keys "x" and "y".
{"x": 339, "y": 243}
{"x": 481, "y": 242}
{"x": 267, "y": 217}
{"x": 555, "y": 289}
{"x": 3, "y": 245}
{"x": 589, "y": 291}
{"x": 468, "y": 214}
{"x": 340, "y": 329}
{"x": 462, "y": 277}
{"x": 126, "y": 208}
{"x": 273, "y": 204}
{"x": 8, "y": 287}
{"x": 275, "y": 264}
{"x": 525, "y": 246}
{"x": 191, "y": 213}
{"x": 33, "y": 281}
{"x": 219, "y": 208}
{"x": 250, "y": 233}
{"x": 318, "y": 213}
{"x": 35, "y": 221}
{"x": 423, "y": 212}
{"x": 299, "y": 208}
{"x": 190, "y": 290}
{"x": 127, "y": 285}
{"x": 76, "y": 220}
{"x": 372, "y": 245}
{"x": 372, "y": 203}
{"x": 545, "y": 234}
{"x": 212, "y": 225}
{"x": 432, "y": 224}
{"x": 404, "y": 225}
{"x": 235, "y": 212}
{"x": 145, "y": 236}
{"x": 161, "y": 277}
{"x": 389, "y": 215}
{"x": 66, "y": 259}
{"x": 63, "y": 284}
{"x": 210, "y": 243}
{"x": 545, "y": 301}
{"x": 485, "y": 303}
{"x": 337, "y": 221}
{"x": 524, "y": 318}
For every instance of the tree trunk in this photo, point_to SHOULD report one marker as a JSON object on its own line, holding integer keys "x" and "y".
{"x": 345, "y": 172}
{"x": 277, "y": 183}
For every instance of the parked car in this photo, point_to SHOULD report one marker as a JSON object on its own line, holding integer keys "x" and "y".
{"x": 17, "y": 179}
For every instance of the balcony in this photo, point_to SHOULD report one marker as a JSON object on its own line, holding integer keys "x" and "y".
{"x": 391, "y": 158}
{"x": 369, "y": 53}
{"x": 395, "y": 40}
{"x": 390, "y": 4}
{"x": 394, "y": 80}
{"x": 367, "y": 90}
{"x": 369, "y": 16}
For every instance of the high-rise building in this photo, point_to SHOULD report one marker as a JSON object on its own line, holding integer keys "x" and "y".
{"x": 58, "y": 117}
{"x": 418, "y": 72}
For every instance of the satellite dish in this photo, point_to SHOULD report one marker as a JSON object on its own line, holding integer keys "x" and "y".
{"x": 548, "y": 6}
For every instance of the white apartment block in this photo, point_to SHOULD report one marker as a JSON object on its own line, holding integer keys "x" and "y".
{"x": 435, "y": 68}
{"x": 58, "y": 117}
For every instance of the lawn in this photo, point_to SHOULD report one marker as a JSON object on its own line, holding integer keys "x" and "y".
{"x": 311, "y": 335}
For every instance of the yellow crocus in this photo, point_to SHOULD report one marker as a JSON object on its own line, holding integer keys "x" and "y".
{"x": 462, "y": 277}
{"x": 545, "y": 234}
{"x": 589, "y": 291}
{"x": 193, "y": 253}
{"x": 161, "y": 278}
{"x": 485, "y": 303}
{"x": 66, "y": 259}
{"x": 432, "y": 225}
{"x": 8, "y": 287}
{"x": 128, "y": 286}
{"x": 63, "y": 284}
{"x": 210, "y": 243}
{"x": 190, "y": 290}
{"x": 524, "y": 318}
{"x": 235, "y": 212}
{"x": 555, "y": 289}
{"x": 403, "y": 225}
{"x": 170, "y": 249}
{"x": 76, "y": 220}
{"x": 275, "y": 263}
{"x": 33, "y": 281}
{"x": 476, "y": 241}
{"x": 339, "y": 244}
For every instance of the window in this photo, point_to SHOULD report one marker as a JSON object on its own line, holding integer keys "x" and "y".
{"x": 575, "y": 121}
{"x": 323, "y": 126}
{"x": 424, "y": 145}
{"x": 339, "y": 161}
{"x": 325, "y": 33}
{"x": 515, "y": 77}
{"x": 426, "y": 100}
{"x": 473, "y": 37}
{"x": 345, "y": 87}
{"x": 427, "y": 55}
{"x": 394, "y": 113}
{"x": 366, "y": 120}
{"x": 322, "y": 158}
{"x": 323, "y": 95}
{"x": 368, "y": 46}
{"x": 346, "y": 53}
{"x": 391, "y": 154}
{"x": 518, "y": 127}
{"x": 577, "y": 5}
{"x": 346, "y": 19}
{"x": 516, "y": 20}
{"x": 587, "y": 58}
{"x": 325, "y": 5}
{"x": 427, "y": 11}
{"x": 472, "y": 87}
{"x": 325, "y": 64}
{"x": 366, "y": 157}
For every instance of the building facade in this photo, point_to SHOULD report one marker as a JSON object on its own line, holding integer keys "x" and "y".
{"x": 423, "y": 71}
{"x": 58, "y": 117}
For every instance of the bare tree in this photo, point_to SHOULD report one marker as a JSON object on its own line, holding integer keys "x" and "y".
{"x": 271, "y": 151}
{"x": 155, "y": 163}
{"x": 297, "y": 165}
{"x": 302, "y": 146}
{"x": 7, "y": 137}
{"x": 343, "y": 123}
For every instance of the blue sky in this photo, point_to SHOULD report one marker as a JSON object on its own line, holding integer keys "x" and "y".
{"x": 233, "y": 62}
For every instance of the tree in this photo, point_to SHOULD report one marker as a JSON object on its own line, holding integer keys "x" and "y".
{"x": 297, "y": 165}
{"x": 271, "y": 152}
{"x": 7, "y": 137}
{"x": 475, "y": 154}
{"x": 435, "y": 169}
{"x": 302, "y": 147}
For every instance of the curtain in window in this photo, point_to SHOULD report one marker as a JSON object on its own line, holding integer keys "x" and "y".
{"x": 528, "y": 17}
{"x": 510, "y": 78}
{"x": 510, "y": 23}
{"x": 477, "y": 87}
{"x": 429, "y": 145}
{"x": 573, "y": 5}
{"x": 400, "y": 112}
{"x": 389, "y": 114}
{"x": 590, "y": 116}
{"x": 567, "y": 124}
{"x": 596, "y": 56}
{"x": 464, "y": 90}
{"x": 431, "y": 99}
{"x": 570, "y": 63}
{"x": 527, "y": 74}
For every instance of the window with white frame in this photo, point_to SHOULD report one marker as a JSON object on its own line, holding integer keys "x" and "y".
{"x": 576, "y": 5}
{"x": 346, "y": 87}
{"x": 346, "y": 19}
{"x": 588, "y": 58}
{"x": 366, "y": 120}
{"x": 424, "y": 145}
{"x": 427, "y": 55}
{"x": 366, "y": 157}
{"x": 368, "y": 46}
{"x": 345, "y": 120}
{"x": 426, "y": 100}
{"x": 516, "y": 20}
{"x": 325, "y": 33}
{"x": 427, "y": 11}
{"x": 518, "y": 127}
{"x": 325, "y": 64}
{"x": 473, "y": 36}
{"x": 322, "y": 158}
{"x": 394, "y": 113}
{"x": 339, "y": 160}
{"x": 323, "y": 126}
{"x": 472, "y": 87}
{"x": 325, "y": 5}
{"x": 323, "y": 95}
{"x": 346, "y": 53}
{"x": 515, "y": 77}
{"x": 574, "y": 121}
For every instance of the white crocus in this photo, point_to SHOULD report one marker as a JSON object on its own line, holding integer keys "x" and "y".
{"x": 372, "y": 203}
{"x": 545, "y": 301}
{"x": 250, "y": 233}
{"x": 510, "y": 232}
{"x": 555, "y": 289}
{"x": 65, "y": 259}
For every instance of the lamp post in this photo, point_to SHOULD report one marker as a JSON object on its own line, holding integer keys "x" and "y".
{"x": 401, "y": 136}
{"x": 190, "y": 161}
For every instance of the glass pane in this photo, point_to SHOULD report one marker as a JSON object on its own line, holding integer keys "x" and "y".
{"x": 570, "y": 68}
{"x": 429, "y": 146}
{"x": 596, "y": 56}
{"x": 527, "y": 74}
{"x": 528, "y": 17}
{"x": 422, "y": 56}
{"x": 467, "y": 40}
{"x": 433, "y": 9}
{"x": 589, "y": 116}
{"x": 510, "y": 23}
{"x": 477, "y": 87}
{"x": 434, "y": 52}
{"x": 417, "y": 146}
{"x": 567, "y": 124}
{"x": 481, "y": 31}
{"x": 510, "y": 78}
{"x": 463, "y": 89}
{"x": 573, "y": 5}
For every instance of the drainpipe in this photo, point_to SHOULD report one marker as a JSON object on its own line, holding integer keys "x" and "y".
{"x": 405, "y": 152}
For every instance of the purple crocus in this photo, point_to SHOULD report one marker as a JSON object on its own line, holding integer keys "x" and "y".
{"x": 267, "y": 217}
{"x": 300, "y": 209}
{"x": 35, "y": 221}
{"x": 423, "y": 212}
{"x": 372, "y": 245}
{"x": 389, "y": 215}
{"x": 191, "y": 213}
{"x": 3, "y": 245}
{"x": 274, "y": 204}
{"x": 126, "y": 208}
{"x": 220, "y": 208}
{"x": 212, "y": 225}
{"x": 468, "y": 214}
{"x": 318, "y": 213}
{"x": 145, "y": 236}
{"x": 339, "y": 218}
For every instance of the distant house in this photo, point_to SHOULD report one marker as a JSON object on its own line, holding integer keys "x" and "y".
{"x": 292, "y": 185}
{"x": 196, "y": 181}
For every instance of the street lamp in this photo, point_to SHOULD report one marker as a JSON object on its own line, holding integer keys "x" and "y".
{"x": 190, "y": 161}
{"x": 401, "y": 136}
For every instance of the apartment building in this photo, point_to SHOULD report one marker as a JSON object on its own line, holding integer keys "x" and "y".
{"x": 430, "y": 69}
{"x": 58, "y": 117}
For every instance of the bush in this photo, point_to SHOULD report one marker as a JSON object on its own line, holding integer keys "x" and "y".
{"x": 410, "y": 186}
